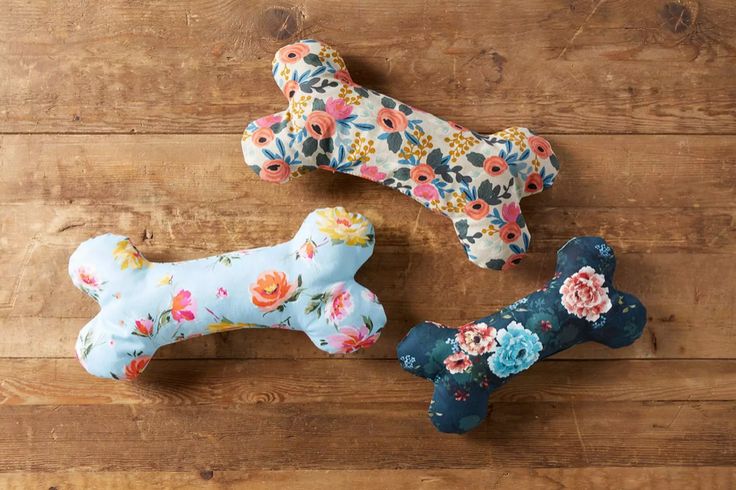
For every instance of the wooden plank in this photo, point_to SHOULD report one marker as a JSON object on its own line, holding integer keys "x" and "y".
{"x": 690, "y": 315}
{"x": 619, "y": 172}
{"x": 623, "y": 478}
{"x": 363, "y": 436}
{"x": 221, "y": 383}
{"x": 204, "y": 66}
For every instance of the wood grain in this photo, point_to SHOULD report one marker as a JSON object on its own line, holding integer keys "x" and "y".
{"x": 363, "y": 435}
{"x": 178, "y": 383}
{"x": 622, "y": 66}
{"x": 623, "y": 478}
{"x": 639, "y": 102}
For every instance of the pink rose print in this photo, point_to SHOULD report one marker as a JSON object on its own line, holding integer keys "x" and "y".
{"x": 351, "y": 339}
{"x": 338, "y": 109}
{"x": 268, "y": 121}
{"x": 183, "y": 306}
{"x": 340, "y": 304}
{"x": 371, "y": 172}
{"x": 221, "y": 293}
{"x": 458, "y": 362}
{"x": 426, "y": 191}
{"x": 476, "y": 338}
{"x": 87, "y": 277}
{"x": 584, "y": 296}
{"x": 510, "y": 212}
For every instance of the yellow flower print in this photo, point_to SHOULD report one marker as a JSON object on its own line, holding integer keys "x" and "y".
{"x": 166, "y": 280}
{"x": 344, "y": 227}
{"x": 226, "y": 325}
{"x": 129, "y": 256}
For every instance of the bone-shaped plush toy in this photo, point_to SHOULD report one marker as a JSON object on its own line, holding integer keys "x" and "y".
{"x": 304, "y": 284}
{"x": 475, "y": 180}
{"x": 579, "y": 304}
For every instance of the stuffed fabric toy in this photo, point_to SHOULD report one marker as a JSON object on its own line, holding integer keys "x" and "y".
{"x": 304, "y": 284}
{"x": 475, "y": 180}
{"x": 579, "y": 304}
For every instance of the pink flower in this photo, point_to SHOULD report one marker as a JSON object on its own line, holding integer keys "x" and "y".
{"x": 351, "y": 339}
{"x": 510, "y": 211}
{"x": 371, "y": 172}
{"x": 144, "y": 326}
{"x": 87, "y": 277}
{"x": 183, "y": 306}
{"x": 458, "y": 362}
{"x": 340, "y": 304}
{"x": 461, "y": 395}
{"x": 426, "y": 191}
{"x": 476, "y": 338}
{"x": 584, "y": 296}
{"x": 268, "y": 121}
{"x": 338, "y": 109}
{"x": 221, "y": 293}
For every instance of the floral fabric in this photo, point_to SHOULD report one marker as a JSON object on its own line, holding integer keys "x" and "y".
{"x": 305, "y": 284}
{"x": 332, "y": 123}
{"x": 466, "y": 364}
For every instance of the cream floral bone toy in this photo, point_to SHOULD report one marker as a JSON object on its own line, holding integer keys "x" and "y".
{"x": 579, "y": 304}
{"x": 304, "y": 284}
{"x": 475, "y": 180}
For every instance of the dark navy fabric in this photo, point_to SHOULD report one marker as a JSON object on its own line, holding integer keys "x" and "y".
{"x": 467, "y": 364}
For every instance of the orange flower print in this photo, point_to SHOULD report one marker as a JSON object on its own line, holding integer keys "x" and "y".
{"x": 352, "y": 339}
{"x": 129, "y": 256}
{"x": 320, "y": 125}
{"x": 533, "y": 183}
{"x": 262, "y": 137}
{"x": 513, "y": 261}
{"x": 292, "y": 53}
{"x": 136, "y": 367}
{"x": 290, "y": 89}
{"x": 144, "y": 327}
{"x": 271, "y": 290}
{"x": 495, "y": 166}
{"x": 540, "y": 146}
{"x": 510, "y": 232}
{"x": 422, "y": 173}
{"x": 344, "y": 77}
{"x": 477, "y": 209}
{"x": 183, "y": 306}
{"x": 392, "y": 120}
{"x": 277, "y": 171}
{"x": 307, "y": 250}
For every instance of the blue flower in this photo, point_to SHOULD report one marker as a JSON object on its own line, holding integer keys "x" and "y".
{"x": 518, "y": 348}
{"x": 604, "y": 250}
{"x": 407, "y": 361}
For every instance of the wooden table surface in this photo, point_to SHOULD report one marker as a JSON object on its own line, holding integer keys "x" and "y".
{"x": 126, "y": 116}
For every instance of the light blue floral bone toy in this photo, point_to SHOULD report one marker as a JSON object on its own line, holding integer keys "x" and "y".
{"x": 304, "y": 284}
{"x": 579, "y": 304}
{"x": 475, "y": 180}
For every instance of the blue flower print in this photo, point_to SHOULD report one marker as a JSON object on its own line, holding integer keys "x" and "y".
{"x": 518, "y": 348}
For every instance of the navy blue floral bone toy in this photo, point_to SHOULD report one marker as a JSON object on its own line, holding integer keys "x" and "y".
{"x": 579, "y": 304}
{"x": 476, "y": 180}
